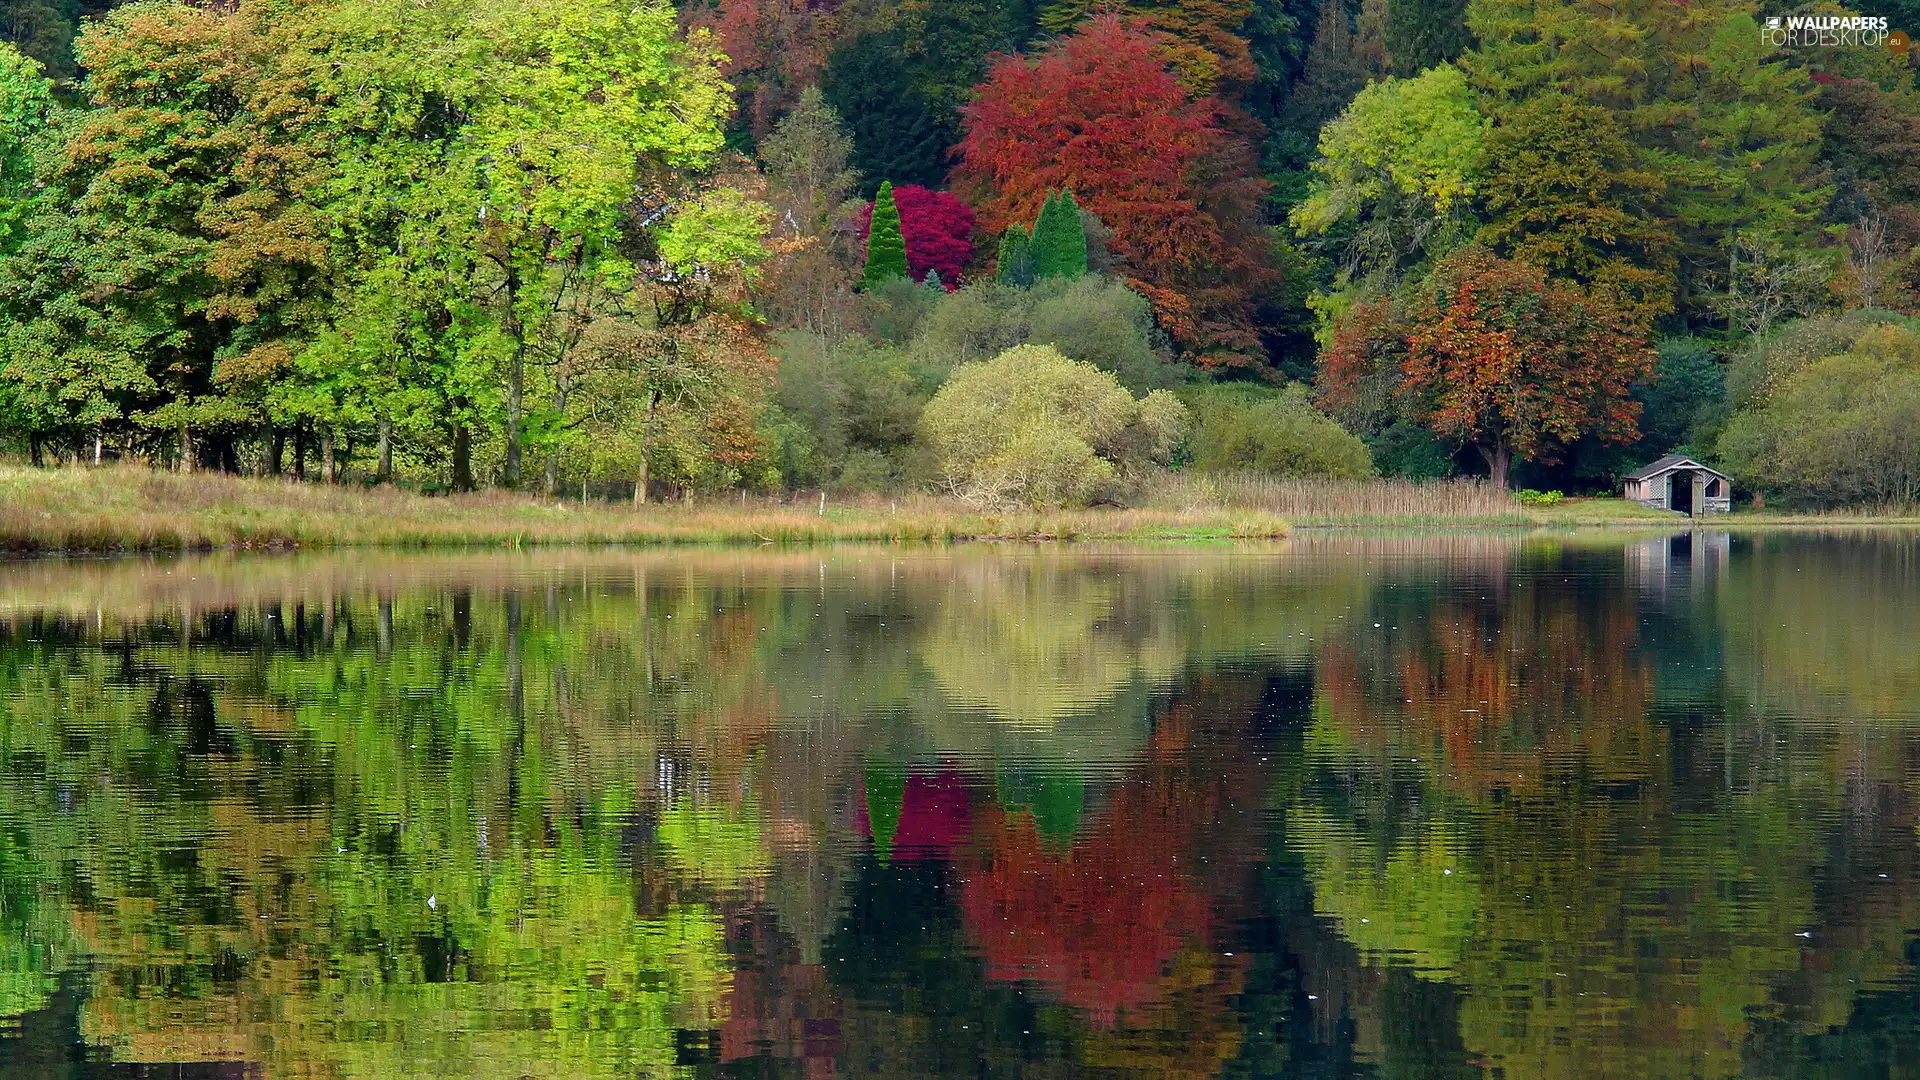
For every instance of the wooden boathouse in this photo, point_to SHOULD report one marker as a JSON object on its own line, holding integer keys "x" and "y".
{"x": 1677, "y": 482}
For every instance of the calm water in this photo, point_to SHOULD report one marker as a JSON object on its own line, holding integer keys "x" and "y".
{"x": 1355, "y": 806}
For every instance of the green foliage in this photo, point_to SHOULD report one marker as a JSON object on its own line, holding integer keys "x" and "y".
{"x": 1411, "y": 452}
{"x": 1104, "y": 323}
{"x": 1567, "y": 195}
{"x": 26, "y": 108}
{"x": 1059, "y": 245}
{"x": 1243, "y": 428}
{"x": 1685, "y": 398}
{"x": 858, "y": 406}
{"x": 1396, "y": 172}
{"x": 1095, "y": 318}
{"x": 1425, "y": 33}
{"x": 1538, "y": 499}
{"x": 1013, "y": 266}
{"x": 1034, "y": 427}
{"x": 1839, "y": 429}
{"x": 897, "y": 133}
{"x": 886, "y": 248}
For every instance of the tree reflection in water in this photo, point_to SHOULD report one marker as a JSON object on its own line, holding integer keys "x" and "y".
{"x": 1435, "y": 807}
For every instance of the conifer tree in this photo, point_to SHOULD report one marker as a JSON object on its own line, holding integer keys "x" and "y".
{"x": 1422, "y": 33}
{"x": 1015, "y": 263}
{"x": 886, "y": 248}
{"x": 1059, "y": 247}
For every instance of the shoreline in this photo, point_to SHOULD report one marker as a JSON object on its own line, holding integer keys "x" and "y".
{"x": 126, "y": 510}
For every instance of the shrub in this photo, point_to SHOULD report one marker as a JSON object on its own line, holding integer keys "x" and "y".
{"x": 1840, "y": 428}
{"x": 1530, "y": 497}
{"x": 1031, "y": 426}
{"x": 1096, "y": 319}
{"x": 841, "y": 410}
{"x": 1106, "y": 324}
{"x": 1274, "y": 432}
{"x": 1411, "y": 452}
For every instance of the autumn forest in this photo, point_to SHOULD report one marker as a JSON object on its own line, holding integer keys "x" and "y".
{"x": 1011, "y": 251}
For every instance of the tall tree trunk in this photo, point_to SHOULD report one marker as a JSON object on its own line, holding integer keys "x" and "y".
{"x": 33, "y": 449}
{"x": 300, "y": 451}
{"x": 326, "y": 453}
{"x": 551, "y": 483}
{"x": 186, "y": 449}
{"x": 98, "y": 440}
{"x": 1499, "y": 458}
{"x": 462, "y": 459}
{"x": 516, "y": 383}
{"x": 383, "y": 474}
{"x": 276, "y": 449}
{"x": 646, "y": 448}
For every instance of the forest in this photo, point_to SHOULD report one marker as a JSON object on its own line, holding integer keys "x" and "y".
{"x": 1015, "y": 251}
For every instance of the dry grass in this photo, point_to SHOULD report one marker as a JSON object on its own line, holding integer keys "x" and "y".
{"x": 135, "y": 509}
{"x": 1348, "y": 502}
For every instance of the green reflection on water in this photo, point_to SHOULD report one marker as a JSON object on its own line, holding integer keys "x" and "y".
{"x": 1425, "y": 806}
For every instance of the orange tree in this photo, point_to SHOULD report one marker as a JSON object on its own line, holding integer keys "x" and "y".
{"x": 1492, "y": 352}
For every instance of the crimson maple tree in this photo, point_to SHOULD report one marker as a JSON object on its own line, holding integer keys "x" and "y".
{"x": 938, "y": 229}
{"x": 1103, "y": 112}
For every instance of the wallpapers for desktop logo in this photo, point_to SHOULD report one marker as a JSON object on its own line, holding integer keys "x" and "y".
{"x": 1833, "y": 32}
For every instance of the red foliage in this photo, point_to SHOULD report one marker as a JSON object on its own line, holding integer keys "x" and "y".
{"x": 774, "y": 48}
{"x": 938, "y": 229}
{"x": 1517, "y": 364}
{"x": 1102, "y": 113}
{"x": 1099, "y": 924}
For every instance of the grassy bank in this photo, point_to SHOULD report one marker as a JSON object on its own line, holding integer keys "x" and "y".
{"x": 134, "y": 509}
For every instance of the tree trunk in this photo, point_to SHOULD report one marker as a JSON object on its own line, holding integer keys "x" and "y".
{"x": 98, "y": 440}
{"x": 646, "y": 447}
{"x": 551, "y": 483}
{"x": 33, "y": 449}
{"x": 276, "y": 449}
{"x": 326, "y": 454}
{"x": 300, "y": 451}
{"x": 383, "y": 474}
{"x": 516, "y": 385}
{"x": 462, "y": 459}
{"x": 186, "y": 449}
{"x": 1499, "y": 458}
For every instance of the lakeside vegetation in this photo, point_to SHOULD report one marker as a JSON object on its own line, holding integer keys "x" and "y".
{"x": 79, "y": 510}
{"x": 701, "y": 247}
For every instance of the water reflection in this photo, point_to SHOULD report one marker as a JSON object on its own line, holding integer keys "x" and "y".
{"x": 1421, "y": 806}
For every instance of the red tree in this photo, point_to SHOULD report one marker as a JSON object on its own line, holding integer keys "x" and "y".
{"x": 1502, "y": 357}
{"x": 1102, "y": 113}
{"x": 938, "y": 229}
{"x": 774, "y": 48}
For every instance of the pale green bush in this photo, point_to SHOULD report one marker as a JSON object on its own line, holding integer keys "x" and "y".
{"x": 1031, "y": 426}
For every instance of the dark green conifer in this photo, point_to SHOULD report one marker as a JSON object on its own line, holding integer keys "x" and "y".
{"x": 1015, "y": 264}
{"x": 886, "y": 248}
{"x": 1059, "y": 247}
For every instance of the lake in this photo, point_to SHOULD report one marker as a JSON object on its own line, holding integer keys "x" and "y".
{"x": 1409, "y": 806}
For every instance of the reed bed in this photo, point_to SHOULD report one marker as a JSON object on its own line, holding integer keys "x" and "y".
{"x": 1349, "y": 502}
{"x": 129, "y": 508}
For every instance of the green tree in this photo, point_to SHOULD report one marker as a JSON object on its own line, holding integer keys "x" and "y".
{"x": 886, "y": 248}
{"x": 897, "y": 133}
{"x": 1839, "y": 430}
{"x": 1564, "y": 191}
{"x": 1423, "y": 33}
{"x": 1014, "y": 264}
{"x": 1396, "y": 174}
{"x": 1059, "y": 245}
